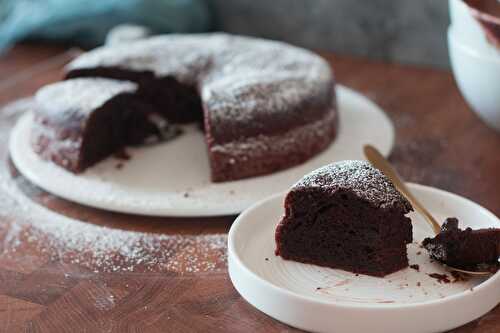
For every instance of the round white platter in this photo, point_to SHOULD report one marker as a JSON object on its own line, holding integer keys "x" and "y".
{"x": 328, "y": 300}
{"x": 173, "y": 178}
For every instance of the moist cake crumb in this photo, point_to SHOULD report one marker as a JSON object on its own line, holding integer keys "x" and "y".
{"x": 441, "y": 278}
{"x": 346, "y": 215}
{"x": 415, "y": 267}
{"x": 464, "y": 248}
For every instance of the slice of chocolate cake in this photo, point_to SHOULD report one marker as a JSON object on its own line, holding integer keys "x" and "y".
{"x": 82, "y": 121}
{"x": 346, "y": 215}
{"x": 464, "y": 248}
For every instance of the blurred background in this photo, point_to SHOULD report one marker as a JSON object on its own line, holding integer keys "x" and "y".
{"x": 404, "y": 31}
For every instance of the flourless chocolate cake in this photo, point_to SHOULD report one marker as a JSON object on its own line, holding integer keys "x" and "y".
{"x": 346, "y": 215}
{"x": 81, "y": 121}
{"x": 464, "y": 248}
{"x": 264, "y": 105}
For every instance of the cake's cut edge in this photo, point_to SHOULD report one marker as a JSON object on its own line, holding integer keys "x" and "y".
{"x": 346, "y": 215}
{"x": 254, "y": 97}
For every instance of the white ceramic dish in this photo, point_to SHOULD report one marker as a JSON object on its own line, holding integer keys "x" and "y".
{"x": 172, "y": 179}
{"x": 477, "y": 76}
{"x": 287, "y": 291}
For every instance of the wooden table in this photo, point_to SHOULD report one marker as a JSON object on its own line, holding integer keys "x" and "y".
{"x": 440, "y": 142}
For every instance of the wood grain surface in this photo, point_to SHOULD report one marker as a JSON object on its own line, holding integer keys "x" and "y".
{"x": 439, "y": 142}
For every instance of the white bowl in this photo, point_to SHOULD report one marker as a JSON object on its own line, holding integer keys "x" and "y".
{"x": 478, "y": 77}
{"x": 469, "y": 29}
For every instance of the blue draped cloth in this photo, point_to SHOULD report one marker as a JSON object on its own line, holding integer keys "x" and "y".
{"x": 86, "y": 22}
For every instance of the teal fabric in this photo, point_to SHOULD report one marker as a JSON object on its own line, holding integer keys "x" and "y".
{"x": 86, "y": 22}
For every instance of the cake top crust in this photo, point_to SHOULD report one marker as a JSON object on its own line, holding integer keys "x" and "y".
{"x": 251, "y": 83}
{"x": 359, "y": 177}
{"x": 82, "y": 95}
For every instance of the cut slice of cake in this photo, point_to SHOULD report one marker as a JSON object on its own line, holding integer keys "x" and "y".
{"x": 82, "y": 121}
{"x": 346, "y": 215}
{"x": 464, "y": 248}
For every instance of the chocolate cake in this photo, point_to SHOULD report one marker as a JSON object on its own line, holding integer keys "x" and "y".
{"x": 346, "y": 215}
{"x": 264, "y": 105}
{"x": 80, "y": 122}
{"x": 464, "y": 248}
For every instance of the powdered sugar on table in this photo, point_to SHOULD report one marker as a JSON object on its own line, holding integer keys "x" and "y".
{"x": 95, "y": 247}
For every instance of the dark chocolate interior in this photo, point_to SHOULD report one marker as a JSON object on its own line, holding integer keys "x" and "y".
{"x": 340, "y": 230}
{"x": 126, "y": 118}
{"x": 464, "y": 248}
{"x": 179, "y": 103}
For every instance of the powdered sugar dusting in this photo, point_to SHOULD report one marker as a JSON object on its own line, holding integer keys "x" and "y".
{"x": 70, "y": 103}
{"x": 82, "y": 95}
{"x": 239, "y": 78}
{"x": 98, "y": 248}
{"x": 359, "y": 177}
{"x": 319, "y": 133}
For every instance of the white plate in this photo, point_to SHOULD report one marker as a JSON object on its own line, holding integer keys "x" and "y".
{"x": 173, "y": 179}
{"x": 286, "y": 290}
